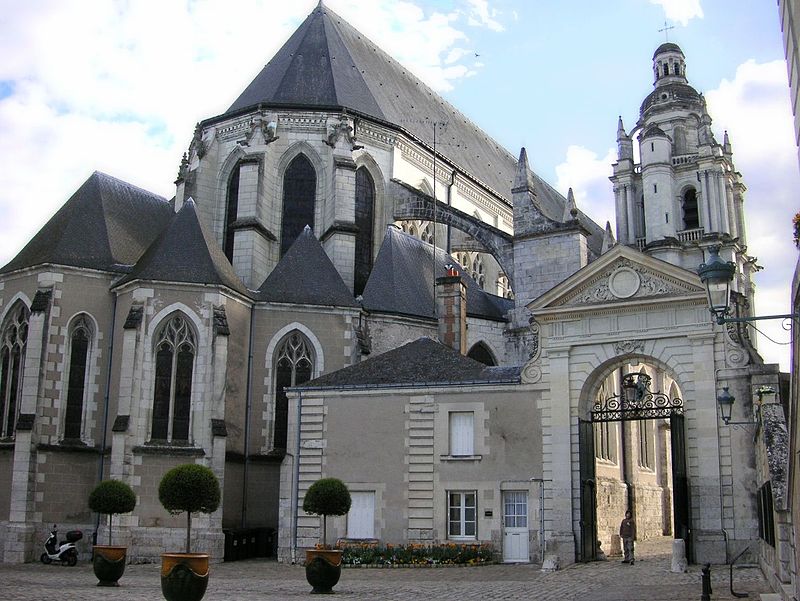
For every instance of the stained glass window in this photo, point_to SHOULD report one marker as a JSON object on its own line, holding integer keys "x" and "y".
{"x": 293, "y": 365}
{"x": 365, "y": 215}
{"x": 299, "y": 192}
{"x": 231, "y": 213}
{"x": 172, "y": 393}
{"x": 13, "y": 338}
{"x": 76, "y": 380}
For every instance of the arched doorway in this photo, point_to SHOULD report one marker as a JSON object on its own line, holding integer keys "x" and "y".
{"x": 634, "y": 430}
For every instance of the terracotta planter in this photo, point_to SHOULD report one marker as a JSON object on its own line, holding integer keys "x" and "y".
{"x": 184, "y": 576}
{"x": 109, "y": 564}
{"x": 323, "y": 569}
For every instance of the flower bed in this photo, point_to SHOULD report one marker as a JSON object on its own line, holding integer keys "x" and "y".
{"x": 448, "y": 554}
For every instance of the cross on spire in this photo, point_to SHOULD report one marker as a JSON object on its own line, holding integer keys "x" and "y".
{"x": 666, "y": 29}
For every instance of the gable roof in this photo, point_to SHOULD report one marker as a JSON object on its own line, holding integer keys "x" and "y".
{"x": 305, "y": 275}
{"x": 421, "y": 362}
{"x": 107, "y": 224}
{"x": 402, "y": 280}
{"x": 186, "y": 252}
{"x": 621, "y": 275}
{"x": 329, "y": 65}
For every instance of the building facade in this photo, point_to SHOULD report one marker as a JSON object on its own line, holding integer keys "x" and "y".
{"x": 278, "y": 319}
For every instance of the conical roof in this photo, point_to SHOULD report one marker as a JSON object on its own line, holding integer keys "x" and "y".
{"x": 402, "y": 280}
{"x": 306, "y": 276}
{"x": 186, "y": 252}
{"x": 107, "y": 224}
{"x": 329, "y": 65}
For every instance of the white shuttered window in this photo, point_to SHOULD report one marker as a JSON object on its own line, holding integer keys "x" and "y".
{"x": 462, "y": 433}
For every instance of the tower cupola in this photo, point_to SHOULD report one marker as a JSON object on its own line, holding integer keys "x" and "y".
{"x": 669, "y": 64}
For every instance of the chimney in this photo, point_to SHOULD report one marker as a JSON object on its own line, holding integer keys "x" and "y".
{"x": 451, "y": 310}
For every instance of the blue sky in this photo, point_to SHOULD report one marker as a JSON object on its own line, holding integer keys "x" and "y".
{"x": 118, "y": 87}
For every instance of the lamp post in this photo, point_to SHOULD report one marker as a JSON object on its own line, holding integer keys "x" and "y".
{"x": 717, "y": 276}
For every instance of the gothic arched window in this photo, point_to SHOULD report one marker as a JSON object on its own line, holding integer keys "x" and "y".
{"x": 504, "y": 286}
{"x": 175, "y": 350}
{"x": 294, "y": 364}
{"x": 365, "y": 212}
{"x": 691, "y": 216}
{"x": 299, "y": 192}
{"x": 231, "y": 213}
{"x": 79, "y": 341}
{"x": 13, "y": 339}
{"x": 481, "y": 353}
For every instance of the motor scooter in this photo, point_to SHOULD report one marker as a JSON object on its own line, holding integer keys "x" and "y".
{"x": 65, "y": 551}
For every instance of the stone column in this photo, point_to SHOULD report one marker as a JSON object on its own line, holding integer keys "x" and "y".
{"x": 631, "y": 209}
{"x": 705, "y": 213}
{"x": 557, "y": 468}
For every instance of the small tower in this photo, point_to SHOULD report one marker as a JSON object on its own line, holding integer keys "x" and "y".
{"x": 685, "y": 193}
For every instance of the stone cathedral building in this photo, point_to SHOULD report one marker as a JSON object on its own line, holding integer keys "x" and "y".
{"x": 354, "y": 280}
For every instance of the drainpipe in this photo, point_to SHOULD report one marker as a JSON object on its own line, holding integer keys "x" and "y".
{"x": 248, "y": 402}
{"x": 296, "y": 482}
{"x": 106, "y": 402}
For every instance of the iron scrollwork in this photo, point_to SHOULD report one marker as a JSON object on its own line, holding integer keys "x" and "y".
{"x": 636, "y": 402}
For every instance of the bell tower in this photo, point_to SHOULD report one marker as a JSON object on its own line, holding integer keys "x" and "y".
{"x": 681, "y": 192}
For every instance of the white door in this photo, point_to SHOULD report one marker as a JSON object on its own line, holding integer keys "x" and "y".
{"x": 361, "y": 517}
{"x": 515, "y": 526}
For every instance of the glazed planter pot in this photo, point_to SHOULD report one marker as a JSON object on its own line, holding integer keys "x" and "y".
{"x": 108, "y": 562}
{"x": 323, "y": 569}
{"x": 184, "y": 576}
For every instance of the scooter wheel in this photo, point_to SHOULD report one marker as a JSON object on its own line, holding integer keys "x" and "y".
{"x": 71, "y": 559}
{"x": 45, "y": 559}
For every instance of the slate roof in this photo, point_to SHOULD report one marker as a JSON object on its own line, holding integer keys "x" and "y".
{"x": 305, "y": 275}
{"x": 402, "y": 280}
{"x": 421, "y": 362}
{"x": 329, "y": 65}
{"x": 107, "y": 224}
{"x": 186, "y": 251}
{"x": 676, "y": 92}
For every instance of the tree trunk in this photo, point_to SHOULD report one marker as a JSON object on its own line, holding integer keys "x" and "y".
{"x": 110, "y": 516}
{"x": 188, "y": 529}
{"x": 324, "y": 531}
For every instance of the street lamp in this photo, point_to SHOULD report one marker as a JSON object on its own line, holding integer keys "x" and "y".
{"x": 717, "y": 276}
{"x": 725, "y": 401}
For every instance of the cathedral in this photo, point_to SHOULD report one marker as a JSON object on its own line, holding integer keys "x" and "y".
{"x": 353, "y": 280}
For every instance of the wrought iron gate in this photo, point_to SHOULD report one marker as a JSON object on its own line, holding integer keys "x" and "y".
{"x": 636, "y": 403}
{"x": 588, "y": 542}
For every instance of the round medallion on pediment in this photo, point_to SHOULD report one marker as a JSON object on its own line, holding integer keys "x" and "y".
{"x": 624, "y": 282}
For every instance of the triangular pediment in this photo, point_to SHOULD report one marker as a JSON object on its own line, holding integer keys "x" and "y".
{"x": 622, "y": 275}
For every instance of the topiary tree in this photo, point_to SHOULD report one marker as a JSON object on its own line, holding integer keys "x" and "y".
{"x": 190, "y": 488}
{"x": 110, "y": 497}
{"x": 327, "y": 496}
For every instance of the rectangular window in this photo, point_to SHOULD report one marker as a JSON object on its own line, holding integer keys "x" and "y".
{"x": 766, "y": 523}
{"x": 462, "y": 433}
{"x": 605, "y": 441}
{"x": 462, "y": 515}
{"x": 515, "y": 509}
{"x": 646, "y": 444}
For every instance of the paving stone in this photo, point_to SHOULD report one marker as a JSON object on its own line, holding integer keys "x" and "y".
{"x": 265, "y": 580}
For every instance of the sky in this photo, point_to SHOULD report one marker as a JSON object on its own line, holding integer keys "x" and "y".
{"x": 117, "y": 86}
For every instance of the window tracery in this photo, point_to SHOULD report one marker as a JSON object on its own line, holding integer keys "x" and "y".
{"x": 13, "y": 342}
{"x": 175, "y": 351}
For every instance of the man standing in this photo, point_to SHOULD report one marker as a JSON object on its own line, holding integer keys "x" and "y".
{"x": 627, "y": 532}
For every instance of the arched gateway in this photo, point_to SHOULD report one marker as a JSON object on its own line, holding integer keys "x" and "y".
{"x": 632, "y": 456}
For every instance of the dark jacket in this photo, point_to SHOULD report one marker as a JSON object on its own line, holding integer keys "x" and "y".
{"x": 627, "y": 529}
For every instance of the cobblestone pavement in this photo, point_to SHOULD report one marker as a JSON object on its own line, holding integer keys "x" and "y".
{"x": 264, "y": 580}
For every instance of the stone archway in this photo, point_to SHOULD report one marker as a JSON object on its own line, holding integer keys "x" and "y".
{"x": 412, "y": 203}
{"x": 632, "y": 455}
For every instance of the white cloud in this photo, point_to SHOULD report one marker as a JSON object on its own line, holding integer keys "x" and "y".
{"x": 480, "y": 15}
{"x": 680, "y": 11}
{"x": 587, "y": 175}
{"x": 755, "y": 110}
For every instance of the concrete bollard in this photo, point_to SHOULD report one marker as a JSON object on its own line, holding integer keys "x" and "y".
{"x": 679, "y": 563}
